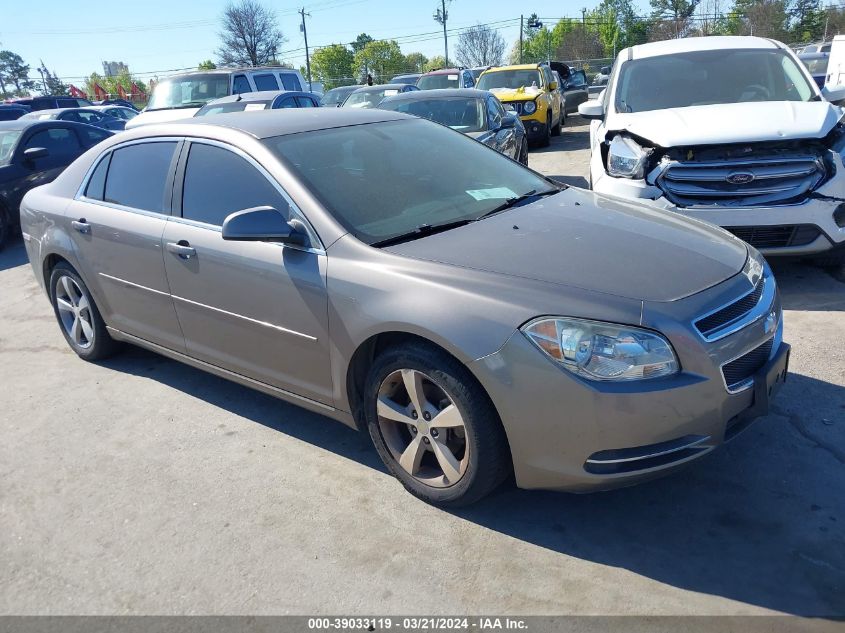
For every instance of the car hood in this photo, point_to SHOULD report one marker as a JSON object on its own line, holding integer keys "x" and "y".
{"x": 518, "y": 94}
{"x": 161, "y": 116}
{"x": 581, "y": 239}
{"x": 730, "y": 123}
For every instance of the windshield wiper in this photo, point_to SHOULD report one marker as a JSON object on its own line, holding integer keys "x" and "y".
{"x": 421, "y": 231}
{"x": 517, "y": 201}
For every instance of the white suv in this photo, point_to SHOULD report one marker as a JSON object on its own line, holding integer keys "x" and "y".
{"x": 730, "y": 130}
{"x": 180, "y": 96}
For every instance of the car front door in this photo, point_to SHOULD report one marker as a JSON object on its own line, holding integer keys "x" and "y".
{"x": 259, "y": 309}
{"x": 576, "y": 91}
{"x": 117, "y": 224}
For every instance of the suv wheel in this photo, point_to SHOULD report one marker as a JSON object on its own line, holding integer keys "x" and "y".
{"x": 547, "y": 132}
{"x": 557, "y": 129}
{"x": 434, "y": 427}
{"x": 523, "y": 152}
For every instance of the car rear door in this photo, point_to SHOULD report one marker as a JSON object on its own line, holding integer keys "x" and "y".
{"x": 117, "y": 222}
{"x": 576, "y": 90}
{"x": 258, "y": 309}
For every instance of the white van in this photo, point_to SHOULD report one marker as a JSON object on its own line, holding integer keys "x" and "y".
{"x": 180, "y": 96}
{"x": 836, "y": 63}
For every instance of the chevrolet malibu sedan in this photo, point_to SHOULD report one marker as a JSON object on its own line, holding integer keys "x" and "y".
{"x": 474, "y": 317}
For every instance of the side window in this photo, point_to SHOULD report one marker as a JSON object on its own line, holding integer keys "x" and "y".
{"x": 240, "y": 84}
{"x": 290, "y": 81}
{"x": 219, "y": 182}
{"x": 265, "y": 82}
{"x": 91, "y": 136}
{"x": 66, "y": 103}
{"x": 57, "y": 141}
{"x": 287, "y": 103}
{"x": 547, "y": 76}
{"x": 579, "y": 78}
{"x": 138, "y": 176}
{"x": 71, "y": 116}
{"x": 493, "y": 115}
{"x": 305, "y": 102}
{"x": 97, "y": 183}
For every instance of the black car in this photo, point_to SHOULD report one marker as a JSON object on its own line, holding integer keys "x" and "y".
{"x": 89, "y": 116}
{"x": 50, "y": 102}
{"x": 336, "y": 96}
{"x": 117, "y": 102}
{"x": 410, "y": 79}
{"x": 476, "y": 113}
{"x": 33, "y": 153}
{"x": 9, "y": 112}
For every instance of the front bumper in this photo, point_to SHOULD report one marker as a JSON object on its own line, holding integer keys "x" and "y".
{"x": 534, "y": 128}
{"x": 814, "y": 217}
{"x": 566, "y": 433}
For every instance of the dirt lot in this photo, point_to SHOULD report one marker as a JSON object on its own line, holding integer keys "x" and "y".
{"x": 143, "y": 486}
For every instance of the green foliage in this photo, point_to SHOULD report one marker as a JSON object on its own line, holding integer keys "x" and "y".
{"x": 207, "y": 65}
{"x": 110, "y": 84}
{"x": 382, "y": 60}
{"x": 438, "y": 61}
{"x": 55, "y": 86}
{"x": 333, "y": 66}
{"x": 14, "y": 76}
{"x": 415, "y": 62}
{"x": 360, "y": 42}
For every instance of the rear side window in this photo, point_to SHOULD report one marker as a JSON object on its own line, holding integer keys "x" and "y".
{"x": 287, "y": 103}
{"x": 290, "y": 81}
{"x": 137, "y": 176}
{"x": 219, "y": 182}
{"x": 240, "y": 85}
{"x": 57, "y": 141}
{"x": 67, "y": 103}
{"x": 265, "y": 82}
{"x": 97, "y": 184}
{"x": 91, "y": 137}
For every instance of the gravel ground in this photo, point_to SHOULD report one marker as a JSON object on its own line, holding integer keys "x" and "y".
{"x": 142, "y": 486}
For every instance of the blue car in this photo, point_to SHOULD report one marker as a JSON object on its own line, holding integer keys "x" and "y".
{"x": 266, "y": 100}
{"x": 89, "y": 116}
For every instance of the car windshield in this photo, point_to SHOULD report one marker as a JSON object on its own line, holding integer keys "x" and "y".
{"x": 382, "y": 180}
{"x": 460, "y": 113}
{"x": 816, "y": 66}
{"x": 188, "y": 92}
{"x": 710, "y": 77}
{"x": 335, "y": 96}
{"x": 233, "y": 106}
{"x": 443, "y": 80}
{"x": 8, "y": 140}
{"x": 369, "y": 98}
{"x": 512, "y": 79}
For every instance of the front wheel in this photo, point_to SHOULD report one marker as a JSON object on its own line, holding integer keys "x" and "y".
{"x": 547, "y": 133}
{"x": 434, "y": 427}
{"x": 523, "y": 152}
{"x": 558, "y": 129}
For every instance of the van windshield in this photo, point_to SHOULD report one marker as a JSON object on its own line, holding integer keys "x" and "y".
{"x": 190, "y": 91}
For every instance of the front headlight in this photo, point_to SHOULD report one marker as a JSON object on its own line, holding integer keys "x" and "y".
{"x": 529, "y": 108}
{"x": 626, "y": 158}
{"x": 603, "y": 351}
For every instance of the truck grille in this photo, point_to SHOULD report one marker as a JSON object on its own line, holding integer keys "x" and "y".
{"x": 738, "y": 374}
{"x": 776, "y": 236}
{"x": 741, "y": 182}
{"x": 711, "y": 325}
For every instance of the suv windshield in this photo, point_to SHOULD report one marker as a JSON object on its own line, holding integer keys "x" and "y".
{"x": 443, "y": 80}
{"x": 462, "y": 114}
{"x": 512, "y": 79}
{"x": 8, "y": 140}
{"x": 381, "y": 180}
{"x": 189, "y": 92}
{"x": 710, "y": 77}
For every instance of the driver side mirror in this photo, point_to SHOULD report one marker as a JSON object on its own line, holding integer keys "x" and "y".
{"x": 833, "y": 94}
{"x": 508, "y": 121}
{"x": 593, "y": 109}
{"x": 263, "y": 224}
{"x": 34, "y": 153}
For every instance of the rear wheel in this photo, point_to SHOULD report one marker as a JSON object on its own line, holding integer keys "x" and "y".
{"x": 546, "y": 140}
{"x": 523, "y": 152}
{"x": 434, "y": 427}
{"x": 557, "y": 129}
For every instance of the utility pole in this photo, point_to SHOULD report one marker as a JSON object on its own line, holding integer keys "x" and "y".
{"x": 521, "y": 30}
{"x": 305, "y": 35}
{"x": 441, "y": 16}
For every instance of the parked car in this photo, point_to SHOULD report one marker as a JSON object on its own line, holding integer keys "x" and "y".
{"x": 270, "y": 100}
{"x": 88, "y": 116}
{"x": 446, "y": 78}
{"x": 33, "y": 153}
{"x": 575, "y": 91}
{"x": 451, "y": 315}
{"x": 335, "y": 97}
{"x": 116, "y": 111}
{"x": 729, "y": 130}
{"x": 117, "y": 102}
{"x": 816, "y": 63}
{"x": 181, "y": 96}
{"x": 9, "y": 112}
{"x": 820, "y": 47}
{"x": 476, "y": 72}
{"x": 371, "y": 96}
{"x": 50, "y": 102}
{"x": 601, "y": 78}
{"x": 476, "y": 113}
{"x": 410, "y": 79}
{"x": 532, "y": 91}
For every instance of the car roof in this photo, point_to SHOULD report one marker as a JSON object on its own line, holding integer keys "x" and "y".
{"x": 23, "y": 124}
{"x": 513, "y": 67}
{"x": 261, "y": 95}
{"x": 377, "y": 88}
{"x": 229, "y": 71}
{"x": 58, "y": 111}
{"x": 440, "y": 93}
{"x": 810, "y": 56}
{"x": 695, "y": 44}
{"x": 338, "y": 88}
{"x": 107, "y": 106}
{"x": 444, "y": 71}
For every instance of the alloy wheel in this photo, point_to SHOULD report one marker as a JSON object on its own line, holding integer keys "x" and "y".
{"x": 75, "y": 312}
{"x": 422, "y": 428}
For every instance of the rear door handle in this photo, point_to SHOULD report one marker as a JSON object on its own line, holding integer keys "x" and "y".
{"x": 81, "y": 225}
{"x": 182, "y": 248}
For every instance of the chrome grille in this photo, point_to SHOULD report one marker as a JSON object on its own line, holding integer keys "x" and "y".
{"x": 741, "y": 183}
{"x": 739, "y": 373}
{"x": 716, "y": 322}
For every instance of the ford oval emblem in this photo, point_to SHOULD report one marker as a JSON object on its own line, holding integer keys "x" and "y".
{"x": 740, "y": 177}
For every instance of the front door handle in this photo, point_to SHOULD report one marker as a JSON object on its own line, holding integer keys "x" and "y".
{"x": 182, "y": 248}
{"x": 81, "y": 225}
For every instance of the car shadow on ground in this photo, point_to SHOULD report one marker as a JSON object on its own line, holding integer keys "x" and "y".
{"x": 807, "y": 287}
{"x": 13, "y": 254}
{"x": 758, "y": 521}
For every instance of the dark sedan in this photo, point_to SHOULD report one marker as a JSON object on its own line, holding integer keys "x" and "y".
{"x": 371, "y": 96}
{"x": 476, "y": 113}
{"x": 264, "y": 100}
{"x": 33, "y": 153}
{"x": 89, "y": 116}
{"x": 10, "y": 112}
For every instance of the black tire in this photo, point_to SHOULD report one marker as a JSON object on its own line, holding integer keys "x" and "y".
{"x": 101, "y": 345}
{"x": 489, "y": 461}
{"x": 5, "y": 229}
{"x": 558, "y": 129}
{"x": 546, "y": 140}
{"x": 523, "y": 152}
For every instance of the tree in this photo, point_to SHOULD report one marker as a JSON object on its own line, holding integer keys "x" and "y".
{"x": 55, "y": 86}
{"x": 333, "y": 66}
{"x": 110, "y": 84}
{"x": 382, "y": 60}
{"x": 480, "y": 46}
{"x": 766, "y": 18}
{"x": 415, "y": 62}
{"x": 438, "y": 61}
{"x": 674, "y": 15}
{"x": 360, "y": 42}
{"x": 807, "y": 20}
{"x": 250, "y": 36}
{"x": 14, "y": 76}
{"x": 207, "y": 65}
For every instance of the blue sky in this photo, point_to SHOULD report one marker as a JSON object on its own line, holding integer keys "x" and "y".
{"x": 153, "y": 36}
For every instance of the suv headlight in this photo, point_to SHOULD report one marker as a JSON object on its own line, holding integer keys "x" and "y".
{"x": 529, "y": 108}
{"x": 603, "y": 351}
{"x": 626, "y": 158}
